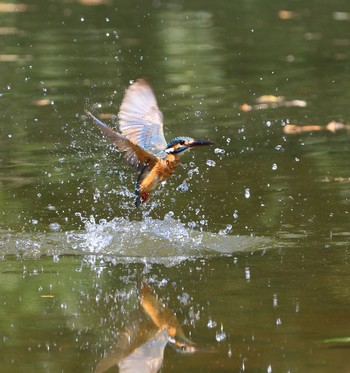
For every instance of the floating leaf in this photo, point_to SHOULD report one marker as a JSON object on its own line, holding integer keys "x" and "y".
{"x": 333, "y": 126}
{"x": 272, "y": 102}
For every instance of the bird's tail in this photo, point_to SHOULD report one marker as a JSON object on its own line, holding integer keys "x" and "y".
{"x": 141, "y": 196}
{"x": 137, "y": 199}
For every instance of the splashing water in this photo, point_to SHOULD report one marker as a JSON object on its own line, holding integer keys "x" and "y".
{"x": 165, "y": 241}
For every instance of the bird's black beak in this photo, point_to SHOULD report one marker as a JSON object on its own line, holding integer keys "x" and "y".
{"x": 195, "y": 143}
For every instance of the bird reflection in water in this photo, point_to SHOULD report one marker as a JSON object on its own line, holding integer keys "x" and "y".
{"x": 140, "y": 347}
{"x": 142, "y": 142}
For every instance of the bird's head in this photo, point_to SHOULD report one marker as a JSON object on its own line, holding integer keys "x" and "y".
{"x": 180, "y": 144}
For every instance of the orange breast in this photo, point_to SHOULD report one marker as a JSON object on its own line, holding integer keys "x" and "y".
{"x": 160, "y": 172}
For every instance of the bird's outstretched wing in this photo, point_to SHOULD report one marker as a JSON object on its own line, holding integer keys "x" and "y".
{"x": 140, "y": 119}
{"x": 133, "y": 154}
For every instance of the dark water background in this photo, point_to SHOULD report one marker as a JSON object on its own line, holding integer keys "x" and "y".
{"x": 248, "y": 243}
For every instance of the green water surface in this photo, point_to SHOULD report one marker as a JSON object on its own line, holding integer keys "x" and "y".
{"x": 248, "y": 243}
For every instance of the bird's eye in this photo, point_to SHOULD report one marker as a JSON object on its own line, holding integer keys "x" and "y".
{"x": 182, "y": 142}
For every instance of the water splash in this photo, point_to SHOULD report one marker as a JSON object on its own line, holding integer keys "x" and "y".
{"x": 146, "y": 238}
{"x": 165, "y": 241}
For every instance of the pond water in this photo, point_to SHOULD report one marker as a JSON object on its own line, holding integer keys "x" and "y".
{"x": 247, "y": 244}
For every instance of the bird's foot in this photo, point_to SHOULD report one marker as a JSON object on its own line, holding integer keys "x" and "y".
{"x": 141, "y": 197}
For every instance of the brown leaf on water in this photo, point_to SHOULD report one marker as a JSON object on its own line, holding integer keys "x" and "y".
{"x": 272, "y": 102}
{"x": 11, "y": 31}
{"x": 42, "y": 102}
{"x": 13, "y": 8}
{"x": 245, "y": 107}
{"x": 270, "y": 99}
{"x": 337, "y": 179}
{"x": 14, "y": 57}
{"x": 287, "y": 14}
{"x": 9, "y": 57}
{"x": 292, "y": 129}
{"x": 294, "y": 103}
{"x": 333, "y": 126}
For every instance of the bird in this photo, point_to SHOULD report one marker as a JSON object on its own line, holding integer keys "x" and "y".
{"x": 141, "y": 139}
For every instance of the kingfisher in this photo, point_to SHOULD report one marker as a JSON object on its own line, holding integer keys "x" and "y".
{"x": 141, "y": 139}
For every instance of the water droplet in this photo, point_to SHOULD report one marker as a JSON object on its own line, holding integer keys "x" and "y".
{"x": 97, "y": 195}
{"x": 227, "y": 230}
{"x": 192, "y": 224}
{"x": 55, "y": 227}
{"x": 184, "y": 299}
{"x": 211, "y": 323}
{"x": 247, "y": 273}
{"x": 211, "y": 163}
{"x": 219, "y": 151}
{"x": 220, "y": 335}
{"x": 183, "y": 187}
{"x": 193, "y": 172}
{"x": 275, "y": 300}
{"x": 169, "y": 216}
